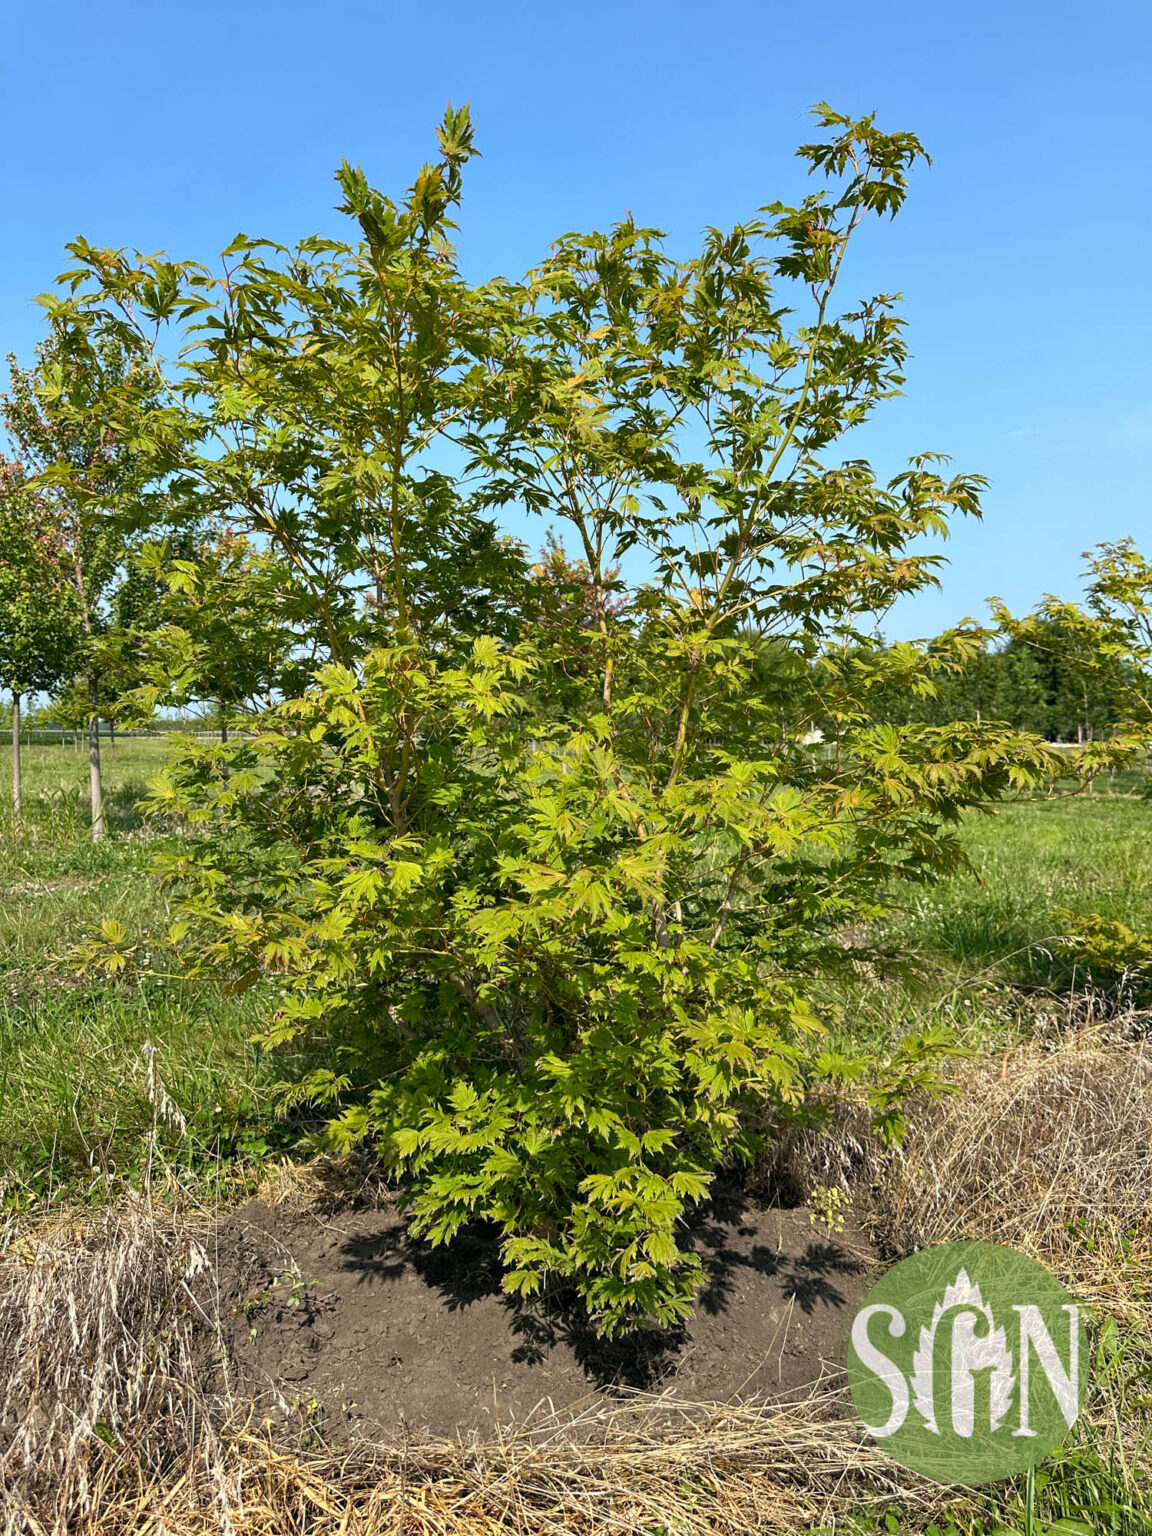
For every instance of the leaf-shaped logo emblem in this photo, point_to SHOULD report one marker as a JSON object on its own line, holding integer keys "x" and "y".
{"x": 971, "y": 1352}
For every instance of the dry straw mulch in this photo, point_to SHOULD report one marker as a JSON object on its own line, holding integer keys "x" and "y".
{"x": 1048, "y": 1150}
{"x": 116, "y": 1414}
{"x": 737, "y": 1473}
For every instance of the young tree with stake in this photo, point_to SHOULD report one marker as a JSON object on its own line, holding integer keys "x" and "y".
{"x": 38, "y": 624}
{"x": 62, "y": 415}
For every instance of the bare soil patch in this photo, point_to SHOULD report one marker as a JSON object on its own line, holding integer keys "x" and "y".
{"x": 344, "y": 1316}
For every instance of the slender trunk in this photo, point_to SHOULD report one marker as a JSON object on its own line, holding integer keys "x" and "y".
{"x": 16, "y": 787}
{"x": 95, "y": 784}
{"x": 112, "y": 734}
{"x": 224, "y": 742}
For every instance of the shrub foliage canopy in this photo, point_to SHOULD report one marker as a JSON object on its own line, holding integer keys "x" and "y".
{"x": 551, "y": 844}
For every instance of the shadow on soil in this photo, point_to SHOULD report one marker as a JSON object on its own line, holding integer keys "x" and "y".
{"x": 335, "y": 1304}
{"x": 469, "y": 1269}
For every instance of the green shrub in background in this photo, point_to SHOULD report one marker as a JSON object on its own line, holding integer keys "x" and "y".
{"x": 556, "y": 844}
{"x": 1109, "y": 952}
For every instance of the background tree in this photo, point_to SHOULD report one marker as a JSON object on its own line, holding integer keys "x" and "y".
{"x": 38, "y": 622}
{"x": 134, "y": 613}
{"x": 1085, "y": 691}
{"x": 1096, "y": 657}
{"x": 1050, "y": 681}
{"x": 62, "y": 415}
{"x": 218, "y": 629}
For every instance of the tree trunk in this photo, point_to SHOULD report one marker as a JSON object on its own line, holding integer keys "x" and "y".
{"x": 112, "y": 734}
{"x": 95, "y": 783}
{"x": 16, "y": 786}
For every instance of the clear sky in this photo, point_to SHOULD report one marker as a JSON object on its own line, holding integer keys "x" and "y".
{"x": 1023, "y": 254}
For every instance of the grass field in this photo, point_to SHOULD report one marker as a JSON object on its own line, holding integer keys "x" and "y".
{"x": 985, "y": 947}
{"x": 87, "y": 1066}
{"x": 74, "y": 1098}
{"x": 75, "y": 1101}
{"x": 1030, "y": 862}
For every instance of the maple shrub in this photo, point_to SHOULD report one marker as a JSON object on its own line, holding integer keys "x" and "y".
{"x": 555, "y": 844}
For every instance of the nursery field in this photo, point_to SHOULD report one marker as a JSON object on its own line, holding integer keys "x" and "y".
{"x": 983, "y": 946}
{"x": 149, "y": 1184}
{"x": 478, "y": 1088}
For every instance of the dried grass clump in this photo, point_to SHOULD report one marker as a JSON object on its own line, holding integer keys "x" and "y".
{"x": 840, "y": 1149}
{"x": 108, "y": 1338}
{"x": 328, "y": 1183}
{"x": 1047, "y": 1150}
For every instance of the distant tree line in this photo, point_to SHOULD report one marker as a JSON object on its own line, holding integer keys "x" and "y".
{"x": 1043, "y": 683}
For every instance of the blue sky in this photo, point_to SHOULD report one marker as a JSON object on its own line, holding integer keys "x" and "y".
{"x": 1023, "y": 254}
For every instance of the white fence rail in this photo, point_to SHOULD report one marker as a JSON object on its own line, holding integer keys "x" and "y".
{"x": 36, "y": 736}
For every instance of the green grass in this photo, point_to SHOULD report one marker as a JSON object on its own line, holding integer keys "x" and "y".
{"x": 76, "y": 1111}
{"x": 1032, "y": 861}
{"x": 982, "y": 952}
